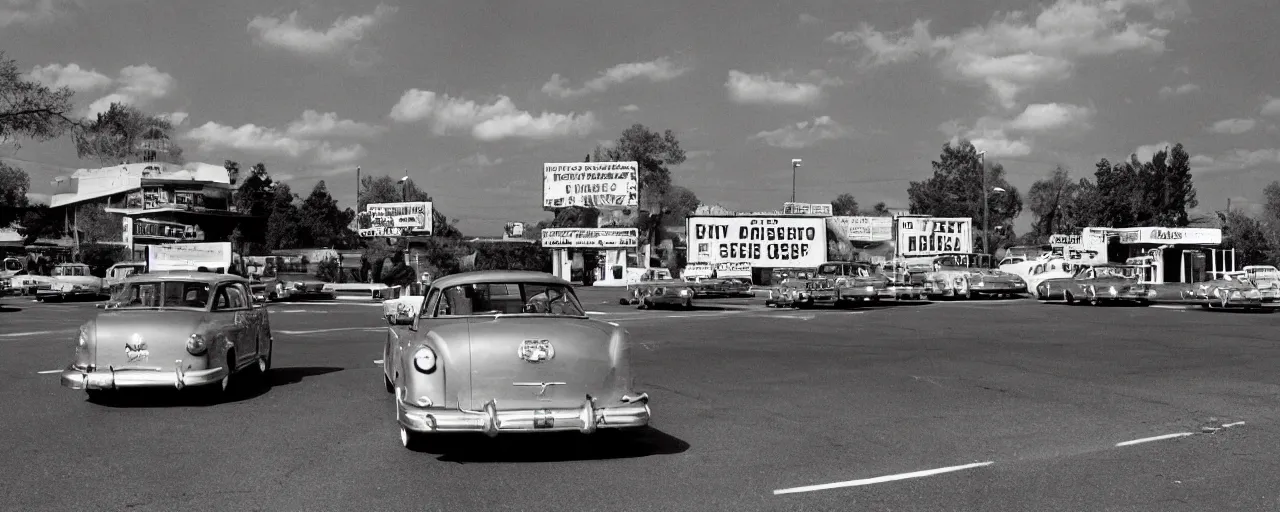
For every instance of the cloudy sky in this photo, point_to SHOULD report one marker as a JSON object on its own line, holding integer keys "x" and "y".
{"x": 472, "y": 97}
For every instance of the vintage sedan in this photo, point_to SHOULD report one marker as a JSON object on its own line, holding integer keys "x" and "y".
{"x": 804, "y": 293}
{"x": 1044, "y": 270}
{"x": 508, "y": 351}
{"x": 651, "y": 294}
{"x": 855, "y": 281}
{"x": 72, "y": 281}
{"x": 1234, "y": 290}
{"x": 1097, "y": 285}
{"x": 1267, "y": 279}
{"x": 172, "y": 329}
{"x": 118, "y": 272}
{"x": 968, "y": 275}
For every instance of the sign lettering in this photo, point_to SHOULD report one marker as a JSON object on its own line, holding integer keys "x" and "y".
{"x": 759, "y": 242}
{"x": 396, "y": 219}
{"x": 931, "y": 236}
{"x": 591, "y": 184}
{"x": 600, "y": 238}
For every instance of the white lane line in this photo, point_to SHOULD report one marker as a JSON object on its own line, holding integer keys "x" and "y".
{"x": 1156, "y": 438}
{"x": 335, "y": 329}
{"x": 881, "y": 479}
{"x": 33, "y": 333}
{"x": 46, "y": 372}
{"x": 378, "y": 361}
{"x": 1236, "y": 424}
{"x": 596, "y": 313}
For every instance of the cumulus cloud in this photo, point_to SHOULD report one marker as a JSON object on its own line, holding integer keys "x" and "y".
{"x": 1014, "y": 52}
{"x": 1271, "y": 107}
{"x": 480, "y": 160}
{"x": 1169, "y": 92}
{"x": 291, "y": 34}
{"x": 659, "y": 70}
{"x": 177, "y": 118}
{"x": 1232, "y": 126}
{"x": 497, "y": 120}
{"x": 16, "y": 12}
{"x": 1147, "y": 151}
{"x": 1050, "y": 116}
{"x": 137, "y": 86}
{"x": 629, "y": 108}
{"x": 314, "y": 124}
{"x": 70, "y": 75}
{"x": 212, "y": 136}
{"x": 1238, "y": 160}
{"x": 997, "y": 144}
{"x": 766, "y": 89}
{"x": 809, "y": 19}
{"x": 330, "y": 155}
{"x": 803, "y": 134}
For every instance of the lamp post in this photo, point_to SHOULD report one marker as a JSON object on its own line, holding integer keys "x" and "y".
{"x": 986, "y": 236}
{"x": 795, "y": 163}
{"x": 404, "y": 195}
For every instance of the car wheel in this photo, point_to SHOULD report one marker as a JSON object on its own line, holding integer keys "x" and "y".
{"x": 624, "y": 302}
{"x": 264, "y": 364}
{"x": 1068, "y": 297}
{"x": 688, "y": 303}
{"x": 412, "y": 440}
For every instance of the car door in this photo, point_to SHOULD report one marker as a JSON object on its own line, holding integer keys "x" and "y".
{"x": 259, "y": 330}
{"x": 232, "y": 320}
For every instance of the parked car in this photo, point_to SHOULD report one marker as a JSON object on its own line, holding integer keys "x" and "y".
{"x": 508, "y": 351}
{"x": 855, "y": 281}
{"x": 172, "y": 329}
{"x": 1098, "y": 284}
{"x": 804, "y": 293}
{"x": 117, "y": 273}
{"x": 1234, "y": 290}
{"x": 1044, "y": 270}
{"x": 1267, "y": 279}
{"x": 966, "y": 275}
{"x": 671, "y": 292}
{"x": 72, "y": 281}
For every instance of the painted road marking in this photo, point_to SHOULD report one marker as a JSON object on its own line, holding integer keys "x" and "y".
{"x": 33, "y": 333}
{"x": 1236, "y": 424}
{"x": 596, "y": 313}
{"x": 377, "y": 361}
{"x": 335, "y": 329}
{"x": 46, "y": 372}
{"x": 881, "y": 479}
{"x": 1156, "y": 438}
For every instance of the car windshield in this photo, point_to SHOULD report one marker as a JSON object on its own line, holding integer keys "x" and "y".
{"x": 127, "y": 271}
{"x": 485, "y": 299}
{"x": 162, "y": 294}
{"x": 1121, "y": 272}
{"x": 69, "y": 271}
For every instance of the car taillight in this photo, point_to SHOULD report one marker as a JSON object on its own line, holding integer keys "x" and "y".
{"x": 83, "y": 339}
{"x": 424, "y": 360}
{"x": 196, "y": 345}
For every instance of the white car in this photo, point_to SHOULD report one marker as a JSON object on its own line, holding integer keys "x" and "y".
{"x": 1052, "y": 268}
{"x": 1267, "y": 279}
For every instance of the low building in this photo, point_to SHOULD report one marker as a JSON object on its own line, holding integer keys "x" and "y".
{"x": 154, "y": 202}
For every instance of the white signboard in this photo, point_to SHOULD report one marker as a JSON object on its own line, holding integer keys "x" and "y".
{"x": 1064, "y": 239}
{"x": 928, "y": 236}
{"x": 189, "y": 256}
{"x": 1088, "y": 248}
{"x": 806, "y": 209}
{"x": 733, "y": 269}
{"x": 759, "y": 241}
{"x": 1171, "y": 236}
{"x": 603, "y": 238}
{"x": 395, "y": 219}
{"x": 697, "y": 269}
{"x": 863, "y": 229}
{"x": 591, "y": 184}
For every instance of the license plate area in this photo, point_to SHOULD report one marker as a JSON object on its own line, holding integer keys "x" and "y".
{"x": 542, "y": 418}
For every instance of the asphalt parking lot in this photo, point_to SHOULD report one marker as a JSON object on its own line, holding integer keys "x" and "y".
{"x": 1020, "y": 404}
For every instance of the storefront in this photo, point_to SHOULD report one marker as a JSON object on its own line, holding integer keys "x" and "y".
{"x": 616, "y": 248}
{"x": 1178, "y": 255}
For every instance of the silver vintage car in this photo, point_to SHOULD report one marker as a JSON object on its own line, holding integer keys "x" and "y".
{"x": 508, "y": 351}
{"x": 172, "y": 329}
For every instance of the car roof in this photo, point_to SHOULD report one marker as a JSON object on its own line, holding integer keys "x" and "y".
{"x": 186, "y": 275}
{"x": 498, "y": 276}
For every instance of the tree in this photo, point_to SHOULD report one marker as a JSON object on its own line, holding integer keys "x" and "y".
{"x": 1048, "y": 200}
{"x": 654, "y": 153}
{"x": 283, "y": 228}
{"x": 97, "y": 225}
{"x": 323, "y": 224}
{"x": 880, "y": 210}
{"x": 14, "y": 184}
{"x": 37, "y": 222}
{"x": 1247, "y": 236}
{"x": 254, "y": 197}
{"x": 1136, "y": 193}
{"x": 955, "y": 190}
{"x": 844, "y": 205}
{"x": 385, "y": 189}
{"x": 31, "y": 109}
{"x": 678, "y": 204}
{"x": 126, "y": 134}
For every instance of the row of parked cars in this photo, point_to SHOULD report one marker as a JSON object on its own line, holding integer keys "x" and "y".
{"x": 1135, "y": 282}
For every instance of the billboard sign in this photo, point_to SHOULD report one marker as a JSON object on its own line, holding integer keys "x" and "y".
{"x": 929, "y": 236}
{"x": 806, "y": 209}
{"x": 395, "y": 219}
{"x": 514, "y": 229}
{"x": 862, "y": 229}
{"x": 733, "y": 269}
{"x": 189, "y": 256}
{"x": 598, "y": 238}
{"x": 591, "y": 184}
{"x": 758, "y": 241}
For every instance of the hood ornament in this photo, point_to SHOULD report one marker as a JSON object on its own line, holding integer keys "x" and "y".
{"x": 536, "y": 351}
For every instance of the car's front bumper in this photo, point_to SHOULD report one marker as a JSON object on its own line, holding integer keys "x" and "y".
{"x": 491, "y": 420}
{"x": 999, "y": 287}
{"x": 93, "y": 379}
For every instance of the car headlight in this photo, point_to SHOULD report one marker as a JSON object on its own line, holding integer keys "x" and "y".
{"x": 82, "y": 340}
{"x": 1112, "y": 291}
{"x": 424, "y": 360}
{"x": 871, "y": 289}
{"x": 959, "y": 281}
{"x": 1217, "y": 292}
{"x": 297, "y": 286}
{"x": 684, "y": 293}
{"x": 1253, "y": 294}
{"x": 196, "y": 345}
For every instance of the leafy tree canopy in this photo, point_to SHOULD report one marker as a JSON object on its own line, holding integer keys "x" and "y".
{"x": 30, "y": 109}
{"x": 955, "y": 190}
{"x": 126, "y": 134}
{"x": 844, "y": 205}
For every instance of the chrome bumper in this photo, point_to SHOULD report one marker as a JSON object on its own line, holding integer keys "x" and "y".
{"x": 81, "y": 378}
{"x": 999, "y": 288}
{"x": 492, "y": 421}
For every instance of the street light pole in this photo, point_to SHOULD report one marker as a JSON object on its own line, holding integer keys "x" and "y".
{"x": 404, "y": 196}
{"x": 986, "y": 226}
{"x": 795, "y": 162}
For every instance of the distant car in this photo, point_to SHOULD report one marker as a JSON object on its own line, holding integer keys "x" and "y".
{"x": 118, "y": 272}
{"x": 804, "y": 293}
{"x": 669, "y": 292}
{"x": 508, "y": 351}
{"x": 1044, "y": 270}
{"x": 1234, "y": 290}
{"x": 1097, "y": 285}
{"x": 968, "y": 275}
{"x": 172, "y": 329}
{"x": 72, "y": 281}
{"x": 1267, "y": 279}
{"x": 855, "y": 281}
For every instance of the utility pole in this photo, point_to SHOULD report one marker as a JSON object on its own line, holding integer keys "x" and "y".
{"x": 986, "y": 226}
{"x": 357, "y": 188}
{"x": 795, "y": 163}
